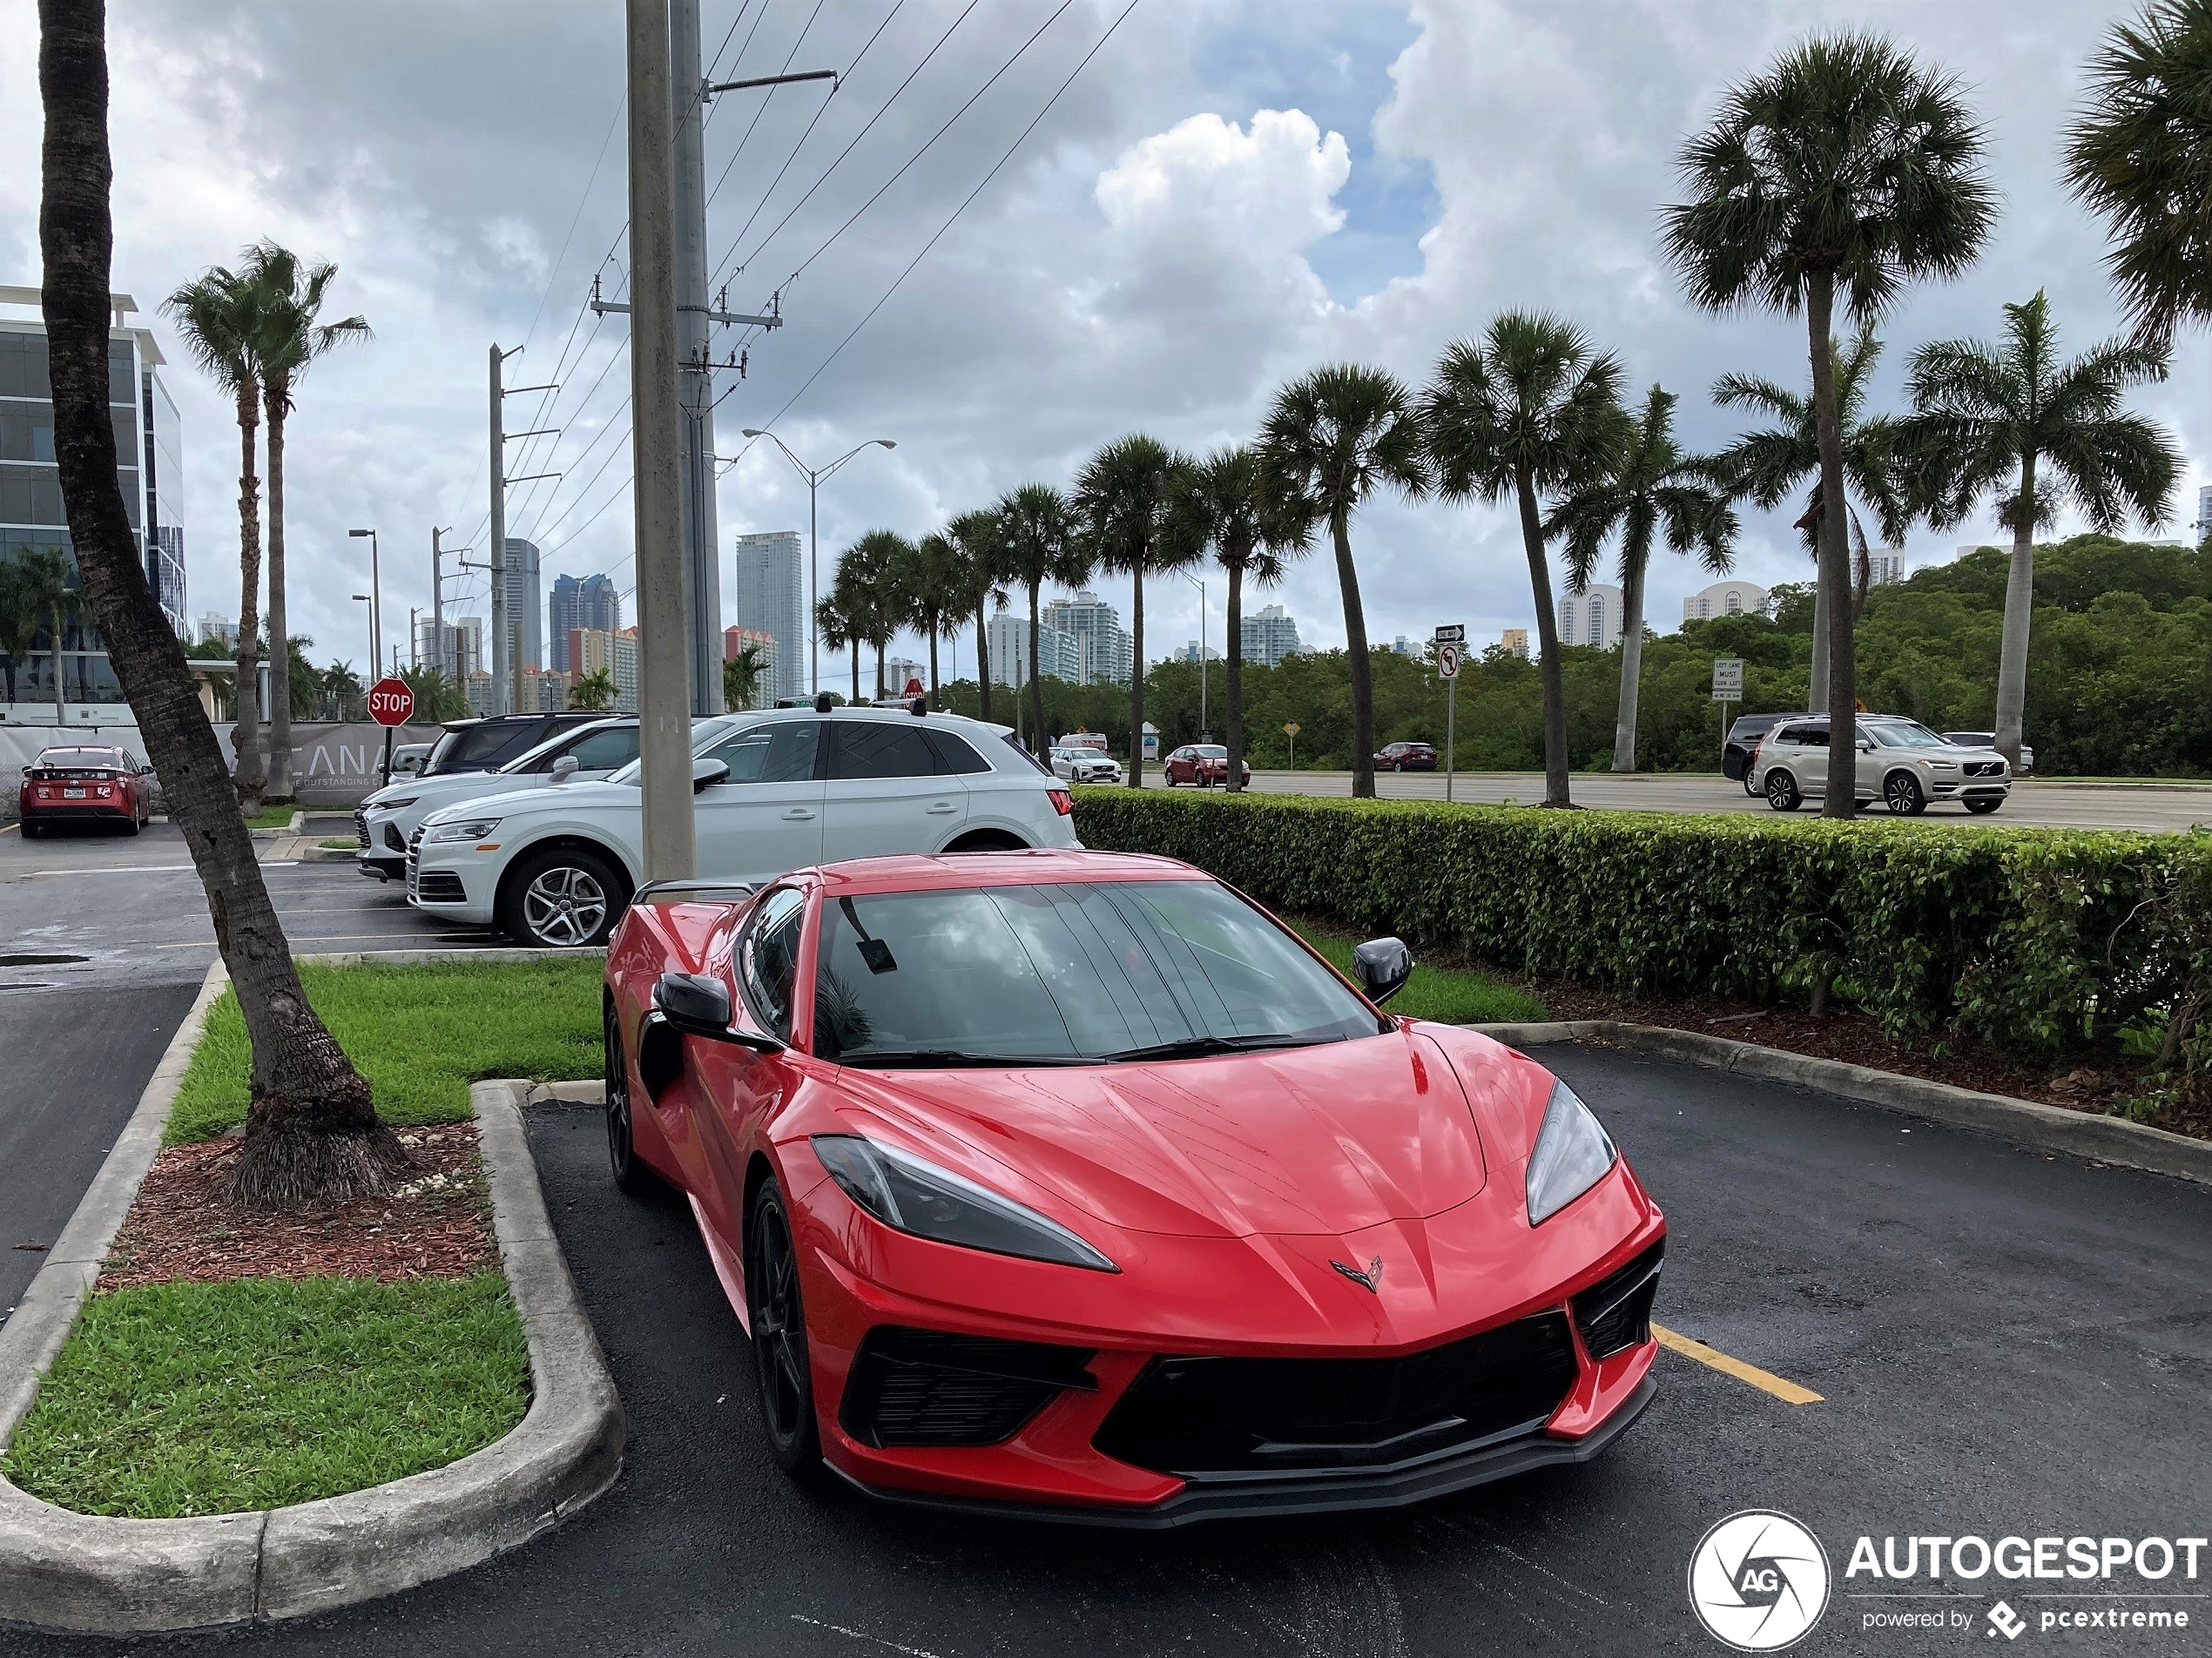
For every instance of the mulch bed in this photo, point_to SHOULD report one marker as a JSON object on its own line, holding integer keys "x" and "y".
{"x": 437, "y": 1224}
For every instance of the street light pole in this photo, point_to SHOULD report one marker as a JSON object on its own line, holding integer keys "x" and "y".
{"x": 363, "y": 598}
{"x": 375, "y": 597}
{"x": 814, "y": 477}
{"x": 1204, "y": 735}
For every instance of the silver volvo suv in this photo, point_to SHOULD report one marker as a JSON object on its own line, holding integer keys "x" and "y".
{"x": 1900, "y": 762}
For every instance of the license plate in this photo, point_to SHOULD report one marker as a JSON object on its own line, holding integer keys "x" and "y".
{"x": 72, "y": 794}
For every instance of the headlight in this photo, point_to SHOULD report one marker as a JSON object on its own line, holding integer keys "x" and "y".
{"x": 393, "y": 805}
{"x": 1572, "y": 1155}
{"x": 468, "y": 829}
{"x": 903, "y": 1191}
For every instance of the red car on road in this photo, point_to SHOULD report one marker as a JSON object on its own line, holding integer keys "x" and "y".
{"x": 89, "y": 784}
{"x": 1074, "y": 1185}
{"x": 1204, "y": 763}
{"x": 1406, "y": 757}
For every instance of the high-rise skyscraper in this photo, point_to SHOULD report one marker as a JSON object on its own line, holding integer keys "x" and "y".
{"x": 772, "y": 599}
{"x": 589, "y": 603}
{"x": 1269, "y": 635}
{"x": 526, "y": 602}
{"x": 1103, "y": 648}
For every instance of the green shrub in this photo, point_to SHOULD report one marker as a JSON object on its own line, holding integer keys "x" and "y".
{"x": 2038, "y": 938}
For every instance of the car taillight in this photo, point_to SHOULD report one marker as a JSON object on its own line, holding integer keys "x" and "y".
{"x": 1063, "y": 802}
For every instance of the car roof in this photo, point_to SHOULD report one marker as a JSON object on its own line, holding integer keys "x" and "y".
{"x": 911, "y": 873}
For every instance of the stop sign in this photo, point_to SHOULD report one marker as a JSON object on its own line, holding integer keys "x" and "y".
{"x": 914, "y": 687}
{"x": 390, "y": 703}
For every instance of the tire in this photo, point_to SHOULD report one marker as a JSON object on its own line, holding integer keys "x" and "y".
{"x": 31, "y": 831}
{"x": 562, "y": 898}
{"x": 1750, "y": 788}
{"x": 131, "y": 824}
{"x": 633, "y": 1178}
{"x": 1901, "y": 794}
{"x": 1781, "y": 791}
{"x": 782, "y": 1374}
{"x": 1986, "y": 806}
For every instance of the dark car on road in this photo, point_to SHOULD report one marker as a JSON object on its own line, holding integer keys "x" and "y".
{"x": 1406, "y": 757}
{"x": 88, "y": 784}
{"x": 1743, "y": 742}
{"x": 1204, "y": 763}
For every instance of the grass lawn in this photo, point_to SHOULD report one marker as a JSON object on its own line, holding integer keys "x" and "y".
{"x": 420, "y": 1033}
{"x": 343, "y": 843}
{"x": 1450, "y": 996}
{"x": 273, "y": 818}
{"x": 211, "y": 1398}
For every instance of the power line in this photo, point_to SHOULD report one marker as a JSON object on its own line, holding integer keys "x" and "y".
{"x": 763, "y": 107}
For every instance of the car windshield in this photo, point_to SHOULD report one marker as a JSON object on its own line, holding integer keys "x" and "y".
{"x": 1903, "y": 733}
{"x": 1076, "y": 972}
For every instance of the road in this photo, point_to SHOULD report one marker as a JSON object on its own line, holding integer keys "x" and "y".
{"x": 2004, "y": 1342}
{"x": 2171, "y": 807}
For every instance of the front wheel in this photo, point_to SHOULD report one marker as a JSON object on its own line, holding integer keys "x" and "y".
{"x": 631, "y": 1176}
{"x": 1901, "y": 794}
{"x": 1782, "y": 793}
{"x": 562, "y": 899}
{"x": 1985, "y": 804}
{"x": 780, "y": 1367}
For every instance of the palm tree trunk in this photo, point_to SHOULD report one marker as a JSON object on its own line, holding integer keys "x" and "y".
{"x": 1842, "y": 799}
{"x": 311, "y": 1132}
{"x": 1817, "y": 687}
{"x": 1136, "y": 673}
{"x": 936, "y": 626}
{"x": 853, "y": 647}
{"x": 1624, "y": 718}
{"x": 2020, "y": 605}
{"x": 1355, "y": 645}
{"x": 1037, "y": 744}
{"x": 280, "y": 783}
{"x": 879, "y": 669}
{"x": 1235, "y": 723}
{"x": 982, "y": 660}
{"x": 1532, "y": 539}
{"x": 245, "y": 737}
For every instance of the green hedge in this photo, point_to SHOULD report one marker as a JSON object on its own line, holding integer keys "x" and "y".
{"x": 2042, "y": 940}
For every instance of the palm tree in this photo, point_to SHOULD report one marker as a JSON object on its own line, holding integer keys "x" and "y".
{"x": 341, "y": 689}
{"x": 1217, "y": 507}
{"x": 979, "y": 578}
{"x": 1121, "y": 501}
{"x": 741, "y": 679}
{"x": 1533, "y": 410}
{"x": 1653, "y": 489}
{"x": 593, "y": 692}
{"x": 1989, "y": 417}
{"x": 870, "y": 592}
{"x": 436, "y": 697}
{"x": 933, "y": 589}
{"x": 1846, "y": 163}
{"x": 839, "y": 626}
{"x": 312, "y": 1133}
{"x": 2137, "y": 158}
{"x": 42, "y": 589}
{"x": 222, "y": 318}
{"x": 1332, "y": 440}
{"x": 19, "y": 622}
{"x": 287, "y": 340}
{"x": 1042, "y": 545}
{"x": 1768, "y": 466}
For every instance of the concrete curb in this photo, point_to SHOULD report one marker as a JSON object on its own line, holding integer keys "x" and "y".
{"x": 2024, "y": 1122}
{"x": 59, "y": 1569}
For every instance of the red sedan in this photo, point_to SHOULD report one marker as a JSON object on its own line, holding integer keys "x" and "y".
{"x": 83, "y": 784}
{"x": 1204, "y": 763}
{"x": 1075, "y": 1183}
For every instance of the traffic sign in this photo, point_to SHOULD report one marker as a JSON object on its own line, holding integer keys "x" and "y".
{"x": 1728, "y": 679}
{"x": 1292, "y": 729}
{"x": 390, "y": 701}
{"x": 1451, "y": 633}
{"x": 1447, "y": 660}
{"x": 914, "y": 687}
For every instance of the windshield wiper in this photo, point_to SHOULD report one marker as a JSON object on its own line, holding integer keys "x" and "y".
{"x": 949, "y": 1058}
{"x": 1199, "y": 1047}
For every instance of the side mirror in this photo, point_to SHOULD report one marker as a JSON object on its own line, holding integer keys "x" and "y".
{"x": 707, "y": 774}
{"x": 1866, "y": 745}
{"x": 563, "y": 769}
{"x": 1382, "y": 966}
{"x": 698, "y": 1005}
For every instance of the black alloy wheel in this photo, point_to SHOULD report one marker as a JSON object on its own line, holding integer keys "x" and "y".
{"x": 1782, "y": 790}
{"x": 632, "y": 1177}
{"x": 1901, "y": 794}
{"x": 786, "y": 1383}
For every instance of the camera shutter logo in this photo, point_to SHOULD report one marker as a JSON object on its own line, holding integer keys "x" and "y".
{"x": 1758, "y": 1581}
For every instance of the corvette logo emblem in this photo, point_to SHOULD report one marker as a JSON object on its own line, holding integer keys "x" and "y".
{"x": 1366, "y": 1280}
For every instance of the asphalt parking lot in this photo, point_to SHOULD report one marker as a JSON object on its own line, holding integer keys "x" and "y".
{"x": 2004, "y": 1342}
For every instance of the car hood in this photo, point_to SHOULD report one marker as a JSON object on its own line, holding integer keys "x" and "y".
{"x": 444, "y": 790}
{"x": 1326, "y": 1139}
{"x": 551, "y": 797}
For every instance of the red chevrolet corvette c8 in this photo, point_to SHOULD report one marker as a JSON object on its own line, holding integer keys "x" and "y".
{"x": 1074, "y": 1184}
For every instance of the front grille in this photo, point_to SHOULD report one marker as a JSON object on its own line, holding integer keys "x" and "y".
{"x": 360, "y": 829}
{"x": 1984, "y": 768}
{"x": 1615, "y": 1313}
{"x": 440, "y": 887}
{"x": 923, "y": 1387}
{"x": 1232, "y": 1416}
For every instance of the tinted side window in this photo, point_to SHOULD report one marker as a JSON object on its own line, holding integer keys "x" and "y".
{"x": 477, "y": 749}
{"x": 768, "y": 960}
{"x": 954, "y": 755}
{"x": 879, "y": 748}
{"x": 778, "y": 753}
{"x": 605, "y": 750}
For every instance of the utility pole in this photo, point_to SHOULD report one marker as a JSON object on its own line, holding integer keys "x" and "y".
{"x": 437, "y": 605}
{"x": 499, "y": 704}
{"x": 694, "y": 372}
{"x": 664, "y": 592}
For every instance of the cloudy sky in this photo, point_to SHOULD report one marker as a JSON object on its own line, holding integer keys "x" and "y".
{"x": 1229, "y": 192}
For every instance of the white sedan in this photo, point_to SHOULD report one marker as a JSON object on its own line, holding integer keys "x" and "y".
{"x": 1086, "y": 766}
{"x": 772, "y": 792}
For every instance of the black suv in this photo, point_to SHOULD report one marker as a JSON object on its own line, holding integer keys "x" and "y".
{"x": 488, "y": 744}
{"x": 1743, "y": 739}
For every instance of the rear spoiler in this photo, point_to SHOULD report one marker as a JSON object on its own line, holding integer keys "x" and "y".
{"x": 653, "y": 891}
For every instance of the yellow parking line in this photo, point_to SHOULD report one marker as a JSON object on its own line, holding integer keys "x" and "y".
{"x": 1766, "y": 1381}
